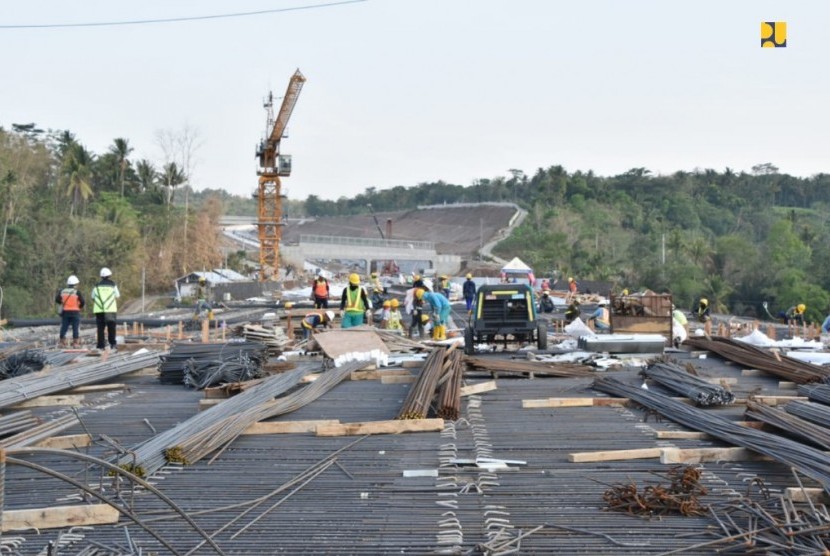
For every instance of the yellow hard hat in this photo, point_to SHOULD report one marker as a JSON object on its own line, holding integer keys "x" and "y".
{"x": 419, "y": 293}
{"x": 704, "y": 301}
{"x": 387, "y": 303}
{"x": 625, "y": 292}
{"x": 801, "y": 308}
{"x": 416, "y": 277}
{"x": 374, "y": 275}
{"x": 469, "y": 276}
{"x": 424, "y": 319}
{"x": 395, "y": 303}
{"x": 444, "y": 277}
{"x": 354, "y": 279}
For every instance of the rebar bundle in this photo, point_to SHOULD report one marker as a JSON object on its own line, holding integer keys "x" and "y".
{"x": 39, "y": 432}
{"x": 202, "y": 361}
{"x": 417, "y": 402}
{"x": 32, "y": 385}
{"x": 189, "y": 450}
{"x": 815, "y": 412}
{"x": 528, "y": 367}
{"x": 801, "y": 428}
{"x": 761, "y": 359}
{"x": 202, "y": 374}
{"x": 449, "y": 397}
{"x": 809, "y": 461}
{"x": 21, "y": 363}
{"x": 678, "y": 379}
{"x": 680, "y": 497}
{"x": 18, "y": 421}
{"x": 816, "y": 392}
{"x": 148, "y": 457}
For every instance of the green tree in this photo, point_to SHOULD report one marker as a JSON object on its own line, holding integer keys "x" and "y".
{"x": 122, "y": 150}
{"x": 77, "y": 174}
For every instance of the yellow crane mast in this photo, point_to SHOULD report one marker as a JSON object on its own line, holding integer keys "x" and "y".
{"x": 273, "y": 165}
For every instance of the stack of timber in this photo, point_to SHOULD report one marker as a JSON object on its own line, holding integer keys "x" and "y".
{"x": 756, "y": 358}
{"x": 510, "y": 366}
{"x": 418, "y": 401}
{"x": 273, "y": 337}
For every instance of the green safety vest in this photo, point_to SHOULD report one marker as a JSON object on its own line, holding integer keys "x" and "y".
{"x": 104, "y": 299}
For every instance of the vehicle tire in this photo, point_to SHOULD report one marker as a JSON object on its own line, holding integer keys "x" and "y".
{"x": 542, "y": 336}
{"x": 469, "y": 341}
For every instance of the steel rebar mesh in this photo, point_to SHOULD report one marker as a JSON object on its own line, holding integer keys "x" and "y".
{"x": 418, "y": 401}
{"x": 757, "y": 358}
{"x": 809, "y": 461}
{"x": 679, "y": 380}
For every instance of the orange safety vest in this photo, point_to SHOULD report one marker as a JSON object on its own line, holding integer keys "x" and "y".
{"x": 321, "y": 289}
{"x": 70, "y": 300}
{"x": 354, "y": 300}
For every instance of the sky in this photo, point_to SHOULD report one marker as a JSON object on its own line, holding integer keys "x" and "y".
{"x": 402, "y": 92}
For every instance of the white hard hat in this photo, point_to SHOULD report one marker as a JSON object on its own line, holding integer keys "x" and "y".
{"x": 105, "y": 272}
{"x": 72, "y": 280}
{"x": 330, "y": 315}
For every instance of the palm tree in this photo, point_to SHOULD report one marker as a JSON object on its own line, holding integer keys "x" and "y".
{"x": 121, "y": 149}
{"x": 147, "y": 175}
{"x": 171, "y": 177}
{"x": 77, "y": 170}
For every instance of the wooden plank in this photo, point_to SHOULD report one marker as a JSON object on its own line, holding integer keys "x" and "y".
{"x": 587, "y": 402}
{"x": 479, "y": 388}
{"x": 288, "y": 427}
{"x": 47, "y": 401}
{"x": 382, "y": 427}
{"x": 814, "y": 495}
{"x": 395, "y": 379}
{"x": 753, "y": 372}
{"x": 703, "y": 455}
{"x": 378, "y": 375}
{"x": 66, "y": 442}
{"x": 59, "y": 516}
{"x": 97, "y": 388}
{"x": 147, "y": 371}
{"x": 413, "y": 364}
{"x": 680, "y": 435}
{"x": 727, "y": 380}
{"x": 558, "y": 402}
{"x": 614, "y": 455}
{"x": 787, "y": 385}
{"x": 208, "y": 403}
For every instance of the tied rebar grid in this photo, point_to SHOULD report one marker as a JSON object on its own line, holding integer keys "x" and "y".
{"x": 678, "y": 379}
{"x": 220, "y": 434}
{"x": 26, "y": 387}
{"x": 809, "y": 461}
{"x": 417, "y": 402}
{"x": 149, "y": 456}
{"x": 802, "y": 428}
{"x": 757, "y": 358}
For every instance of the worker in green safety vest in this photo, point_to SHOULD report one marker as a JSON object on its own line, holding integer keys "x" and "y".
{"x": 104, "y": 296}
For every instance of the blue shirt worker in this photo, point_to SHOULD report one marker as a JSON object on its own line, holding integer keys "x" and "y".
{"x": 825, "y": 326}
{"x": 354, "y": 303}
{"x": 545, "y": 302}
{"x": 601, "y": 317}
{"x": 104, "y": 306}
{"x": 314, "y": 320}
{"x": 440, "y": 312}
{"x": 469, "y": 292}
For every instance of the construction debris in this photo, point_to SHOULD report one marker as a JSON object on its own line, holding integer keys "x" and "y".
{"x": 680, "y": 497}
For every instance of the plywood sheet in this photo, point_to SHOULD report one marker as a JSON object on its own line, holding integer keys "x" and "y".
{"x": 340, "y": 342}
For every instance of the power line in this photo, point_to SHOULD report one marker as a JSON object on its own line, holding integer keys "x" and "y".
{"x": 177, "y": 19}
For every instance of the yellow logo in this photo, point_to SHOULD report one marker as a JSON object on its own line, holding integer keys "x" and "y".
{"x": 773, "y": 34}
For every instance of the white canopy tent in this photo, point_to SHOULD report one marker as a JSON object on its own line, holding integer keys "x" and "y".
{"x": 517, "y": 267}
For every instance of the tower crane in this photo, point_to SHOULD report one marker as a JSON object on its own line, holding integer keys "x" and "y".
{"x": 272, "y": 166}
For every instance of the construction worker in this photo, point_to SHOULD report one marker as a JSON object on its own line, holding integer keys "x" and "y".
{"x": 104, "y": 305}
{"x": 469, "y": 292}
{"x": 418, "y": 282}
{"x": 203, "y": 300}
{"x": 679, "y": 326}
{"x": 394, "y": 322}
{"x": 415, "y": 308}
{"x": 795, "y": 314}
{"x": 444, "y": 286}
{"x": 313, "y": 320}
{"x": 601, "y": 317}
{"x": 545, "y": 302}
{"x": 825, "y": 326}
{"x": 71, "y": 302}
{"x": 384, "y": 314}
{"x": 704, "y": 312}
{"x": 440, "y": 312}
{"x": 320, "y": 292}
{"x": 573, "y": 288}
{"x": 354, "y": 302}
{"x": 573, "y": 311}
